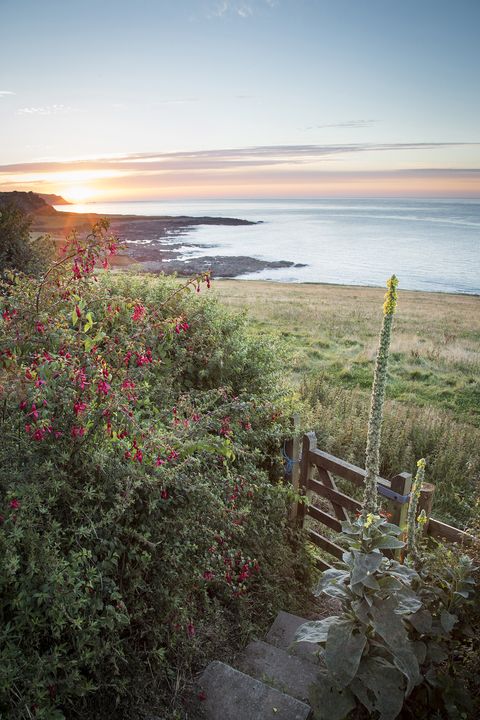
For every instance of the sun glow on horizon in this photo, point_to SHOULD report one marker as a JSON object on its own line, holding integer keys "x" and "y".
{"x": 78, "y": 193}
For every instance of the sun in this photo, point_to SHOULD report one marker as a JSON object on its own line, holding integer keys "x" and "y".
{"x": 78, "y": 193}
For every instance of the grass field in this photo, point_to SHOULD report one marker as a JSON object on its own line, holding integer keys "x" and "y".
{"x": 433, "y": 395}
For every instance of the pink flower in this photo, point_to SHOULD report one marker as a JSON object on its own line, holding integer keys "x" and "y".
{"x": 138, "y": 456}
{"x": 191, "y": 630}
{"x": 159, "y": 461}
{"x": 208, "y": 575}
{"x": 40, "y": 327}
{"x": 138, "y": 313}
{"x": 39, "y": 434}
{"x": 103, "y": 388}
{"x": 164, "y": 494}
{"x": 79, "y": 407}
{"x": 77, "y": 431}
{"x": 15, "y": 504}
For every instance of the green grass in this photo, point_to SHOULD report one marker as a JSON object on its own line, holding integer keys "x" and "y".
{"x": 433, "y": 394}
{"x": 435, "y": 358}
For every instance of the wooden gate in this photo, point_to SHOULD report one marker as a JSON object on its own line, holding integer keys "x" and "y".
{"x": 396, "y": 491}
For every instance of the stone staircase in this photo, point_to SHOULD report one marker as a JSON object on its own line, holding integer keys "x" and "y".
{"x": 270, "y": 679}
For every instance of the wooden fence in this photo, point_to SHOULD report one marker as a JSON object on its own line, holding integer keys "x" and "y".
{"x": 326, "y": 468}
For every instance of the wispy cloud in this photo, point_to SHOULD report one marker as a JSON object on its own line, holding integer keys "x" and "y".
{"x": 230, "y": 158}
{"x": 241, "y": 8}
{"x": 265, "y": 169}
{"x": 48, "y": 110}
{"x": 345, "y": 124}
{"x": 4, "y": 93}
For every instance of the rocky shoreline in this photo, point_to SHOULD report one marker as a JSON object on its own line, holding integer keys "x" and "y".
{"x": 148, "y": 241}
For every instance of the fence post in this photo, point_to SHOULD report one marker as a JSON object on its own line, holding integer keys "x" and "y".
{"x": 425, "y": 502}
{"x": 401, "y": 484}
{"x": 292, "y": 451}
{"x": 309, "y": 443}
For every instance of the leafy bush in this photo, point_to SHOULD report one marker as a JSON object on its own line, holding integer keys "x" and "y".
{"x": 18, "y": 251}
{"x": 140, "y": 525}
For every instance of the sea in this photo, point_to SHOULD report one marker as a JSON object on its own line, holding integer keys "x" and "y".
{"x": 431, "y": 245}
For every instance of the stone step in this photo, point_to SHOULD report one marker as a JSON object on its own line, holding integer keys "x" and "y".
{"x": 282, "y": 635}
{"x": 229, "y": 694}
{"x": 275, "y": 667}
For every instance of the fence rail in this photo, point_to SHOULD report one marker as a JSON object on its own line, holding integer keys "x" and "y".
{"x": 327, "y": 467}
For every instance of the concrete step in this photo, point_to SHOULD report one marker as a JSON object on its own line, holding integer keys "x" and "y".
{"x": 275, "y": 667}
{"x": 282, "y": 635}
{"x": 229, "y": 694}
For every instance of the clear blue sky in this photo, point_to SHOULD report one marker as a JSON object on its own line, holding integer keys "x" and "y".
{"x": 354, "y": 90}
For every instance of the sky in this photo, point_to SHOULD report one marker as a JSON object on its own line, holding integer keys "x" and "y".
{"x": 152, "y": 99}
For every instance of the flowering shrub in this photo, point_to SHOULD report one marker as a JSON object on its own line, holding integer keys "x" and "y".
{"x": 137, "y": 510}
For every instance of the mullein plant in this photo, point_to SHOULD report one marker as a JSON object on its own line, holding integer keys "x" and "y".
{"x": 369, "y": 659}
{"x": 372, "y": 455}
{"x": 412, "y": 519}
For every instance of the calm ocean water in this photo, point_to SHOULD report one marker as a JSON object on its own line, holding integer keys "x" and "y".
{"x": 431, "y": 245}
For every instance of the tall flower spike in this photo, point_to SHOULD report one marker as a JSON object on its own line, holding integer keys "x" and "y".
{"x": 412, "y": 509}
{"x": 372, "y": 459}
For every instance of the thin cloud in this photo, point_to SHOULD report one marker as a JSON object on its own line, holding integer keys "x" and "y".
{"x": 345, "y": 124}
{"x": 241, "y": 8}
{"x": 4, "y": 93}
{"x": 47, "y": 110}
{"x": 254, "y": 157}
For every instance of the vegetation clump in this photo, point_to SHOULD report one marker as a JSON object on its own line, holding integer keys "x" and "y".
{"x": 390, "y": 651}
{"x": 142, "y": 524}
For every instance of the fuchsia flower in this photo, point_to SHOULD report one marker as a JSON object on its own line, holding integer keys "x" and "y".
{"x": 81, "y": 378}
{"x": 208, "y": 575}
{"x": 79, "y": 407}
{"x": 164, "y": 494}
{"x": 77, "y": 431}
{"x": 40, "y": 327}
{"x": 15, "y": 504}
{"x": 103, "y": 388}
{"x": 138, "y": 313}
{"x": 191, "y": 630}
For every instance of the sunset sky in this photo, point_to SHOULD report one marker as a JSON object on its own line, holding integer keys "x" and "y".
{"x": 176, "y": 99}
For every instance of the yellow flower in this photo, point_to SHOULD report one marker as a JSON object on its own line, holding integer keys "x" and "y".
{"x": 422, "y": 519}
{"x": 421, "y": 463}
{"x": 370, "y": 520}
{"x": 391, "y": 296}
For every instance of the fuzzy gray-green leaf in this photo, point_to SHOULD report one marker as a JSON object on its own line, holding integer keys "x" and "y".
{"x": 343, "y": 652}
{"x": 315, "y": 631}
{"x": 364, "y": 565}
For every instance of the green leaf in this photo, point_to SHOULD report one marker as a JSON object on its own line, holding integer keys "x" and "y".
{"x": 387, "y": 542}
{"x": 343, "y": 651}
{"x": 315, "y": 631}
{"x": 330, "y": 703}
{"x": 332, "y": 583}
{"x": 74, "y": 317}
{"x": 407, "y": 602}
{"x": 421, "y": 621}
{"x": 386, "y": 684}
{"x": 448, "y": 620}
{"x": 364, "y": 565}
{"x": 391, "y": 628}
